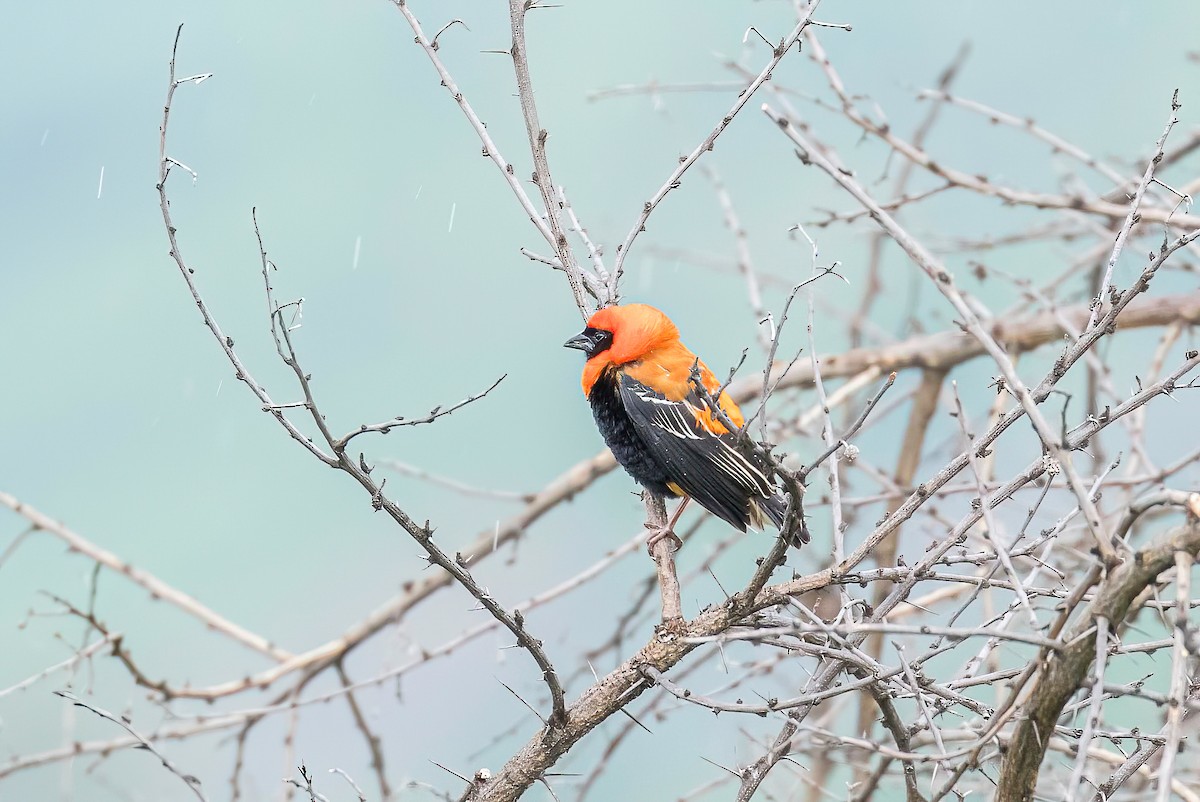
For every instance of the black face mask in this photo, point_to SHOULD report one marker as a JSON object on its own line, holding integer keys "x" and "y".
{"x": 591, "y": 341}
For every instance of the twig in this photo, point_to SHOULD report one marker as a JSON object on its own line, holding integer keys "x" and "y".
{"x": 224, "y": 341}
{"x": 190, "y": 781}
{"x": 874, "y": 285}
{"x": 956, "y": 633}
{"x": 577, "y": 227}
{"x": 992, "y": 531}
{"x": 1057, "y": 143}
{"x": 844, "y": 440}
{"x": 1133, "y": 217}
{"x": 486, "y": 543}
{"x": 1188, "y": 501}
{"x": 152, "y": 584}
{"x": 435, "y": 413}
{"x": 926, "y": 714}
{"x": 745, "y": 264}
{"x": 453, "y": 484}
{"x": 924, "y": 405}
{"x": 541, "y": 166}
{"x": 306, "y": 786}
{"x": 944, "y": 281}
{"x": 686, "y": 162}
{"x": 981, "y": 184}
{"x": 1064, "y": 671}
{"x": 1094, "y": 708}
{"x": 947, "y": 349}
{"x": 490, "y": 150}
{"x": 1180, "y": 675}
{"x": 362, "y": 797}
{"x": 753, "y": 775}
{"x": 359, "y": 471}
{"x": 835, "y": 489}
{"x": 664, "y": 561}
{"x": 69, "y": 663}
{"x": 1131, "y": 766}
{"x": 374, "y": 742}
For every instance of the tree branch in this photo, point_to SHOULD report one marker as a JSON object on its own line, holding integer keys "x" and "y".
{"x": 1064, "y": 672}
{"x": 541, "y": 165}
{"x": 144, "y": 579}
{"x": 686, "y": 162}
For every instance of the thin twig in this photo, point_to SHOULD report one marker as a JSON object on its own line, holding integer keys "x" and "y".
{"x": 944, "y": 281}
{"x": 1180, "y": 675}
{"x": 157, "y": 588}
{"x": 1133, "y": 217}
{"x": 189, "y": 780}
{"x": 541, "y": 165}
{"x": 686, "y": 162}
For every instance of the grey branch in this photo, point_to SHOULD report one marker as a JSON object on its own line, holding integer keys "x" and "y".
{"x": 142, "y": 742}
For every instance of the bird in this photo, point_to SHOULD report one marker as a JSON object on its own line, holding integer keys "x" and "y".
{"x": 637, "y": 379}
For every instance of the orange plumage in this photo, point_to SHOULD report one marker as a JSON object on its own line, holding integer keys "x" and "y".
{"x": 646, "y": 346}
{"x": 637, "y": 380}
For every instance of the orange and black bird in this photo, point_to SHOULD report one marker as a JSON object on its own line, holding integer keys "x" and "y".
{"x": 659, "y": 428}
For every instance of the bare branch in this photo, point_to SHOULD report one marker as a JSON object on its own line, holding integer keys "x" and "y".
{"x": 664, "y": 560}
{"x": 1180, "y": 674}
{"x": 65, "y": 665}
{"x": 190, "y": 781}
{"x": 359, "y": 471}
{"x": 1133, "y": 216}
{"x": 490, "y": 150}
{"x": 944, "y": 281}
{"x": 686, "y": 162}
{"x": 541, "y": 165}
{"x": 188, "y": 274}
{"x": 339, "y": 445}
{"x": 1065, "y": 671}
{"x": 144, "y": 579}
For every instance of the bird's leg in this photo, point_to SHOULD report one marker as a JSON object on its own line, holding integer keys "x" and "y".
{"x": 667, "y": 531}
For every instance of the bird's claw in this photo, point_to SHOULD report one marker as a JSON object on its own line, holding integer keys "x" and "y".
{"x": 658, "y": 534}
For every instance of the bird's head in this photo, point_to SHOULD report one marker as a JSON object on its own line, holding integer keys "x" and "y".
{"x": 620, "y": 334}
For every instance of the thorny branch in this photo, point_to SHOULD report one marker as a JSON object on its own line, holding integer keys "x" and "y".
{"x": 142, "y": 742}
{"x": 1004, "y": 570}
{"x": 674, "y": 180}
{"x": 537, "y": 146}
{"x": 944, "y": 281}
{"x": 358, "y": 470}
{"x": 1064, "y": 672}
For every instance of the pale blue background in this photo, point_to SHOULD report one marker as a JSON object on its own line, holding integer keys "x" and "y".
{"x": 119, "y": 415}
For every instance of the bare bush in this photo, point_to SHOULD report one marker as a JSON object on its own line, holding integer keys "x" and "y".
{"x": 977, "y": 608}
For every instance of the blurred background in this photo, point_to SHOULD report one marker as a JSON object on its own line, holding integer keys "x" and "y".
{"x": 120, "y": 416}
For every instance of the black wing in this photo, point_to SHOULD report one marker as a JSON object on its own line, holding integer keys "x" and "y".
{"x": 704, "y": 465}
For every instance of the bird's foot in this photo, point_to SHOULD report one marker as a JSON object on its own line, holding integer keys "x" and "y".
{"x": 658, "y": 534}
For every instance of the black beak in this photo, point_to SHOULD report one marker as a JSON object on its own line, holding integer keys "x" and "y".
{"x": 581, "y": 341}
{"x": 590, "y": 341}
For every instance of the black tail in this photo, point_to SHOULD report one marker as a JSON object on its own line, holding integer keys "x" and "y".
{"x": 775, "y": 508}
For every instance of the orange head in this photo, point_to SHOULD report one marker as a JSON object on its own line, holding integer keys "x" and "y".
{"x": 618, "y": 335}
